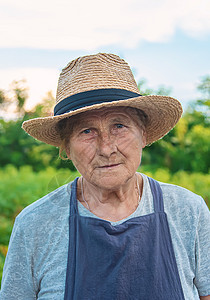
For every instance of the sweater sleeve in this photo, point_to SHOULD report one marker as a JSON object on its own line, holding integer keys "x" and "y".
{"x": 202, "y": 251}
{"x": 17, "y": 280}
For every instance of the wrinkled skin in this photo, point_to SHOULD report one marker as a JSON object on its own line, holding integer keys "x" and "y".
{"x": 106, "y": 147}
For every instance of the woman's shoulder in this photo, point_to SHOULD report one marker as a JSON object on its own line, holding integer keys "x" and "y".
{"x": 184, "y": 206}
{"x": 179, "y": 198}
{"x": 180, "y": 195}
{"x": 48, "y": 206}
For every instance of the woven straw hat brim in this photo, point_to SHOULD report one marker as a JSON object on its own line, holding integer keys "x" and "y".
{"x": 163, "y": 113}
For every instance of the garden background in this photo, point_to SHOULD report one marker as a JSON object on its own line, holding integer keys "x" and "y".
{"x": 29, "y": 169}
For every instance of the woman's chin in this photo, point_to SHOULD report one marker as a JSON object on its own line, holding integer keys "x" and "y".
{"x": 111, "y": 181}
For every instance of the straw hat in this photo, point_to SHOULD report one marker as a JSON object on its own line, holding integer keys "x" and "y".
{"x": 103, "y": 80}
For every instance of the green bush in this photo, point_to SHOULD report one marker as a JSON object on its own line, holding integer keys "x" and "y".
{"x": 198, "y": 183}
{"x": 19, "y": 188}
{"x": 3, "y": 251}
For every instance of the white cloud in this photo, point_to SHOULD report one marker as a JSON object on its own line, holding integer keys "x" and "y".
{"x": 38, "y": 80}
{"x": 86, "y": 25}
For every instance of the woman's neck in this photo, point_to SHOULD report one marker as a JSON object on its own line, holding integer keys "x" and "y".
{"x": 111, "y": 205}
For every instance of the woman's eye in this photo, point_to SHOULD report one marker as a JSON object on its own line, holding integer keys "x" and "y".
{"x": 119, "y": 125}
{"x": 86, "y": 131}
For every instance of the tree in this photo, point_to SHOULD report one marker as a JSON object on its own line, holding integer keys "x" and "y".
{"x": 13, "y": 101}
{"x": 42, "y": 109}
{"x": 187, "y": 146}
{"x": 144, "y": 90}
{"x": 17, "y": 147}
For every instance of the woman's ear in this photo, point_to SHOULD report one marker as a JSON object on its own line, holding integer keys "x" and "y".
{"x": 144, "y": 138}
{"x": 67, "y": 150}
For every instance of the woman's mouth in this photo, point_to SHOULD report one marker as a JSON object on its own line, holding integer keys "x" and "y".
{"x": 111, "y": 166}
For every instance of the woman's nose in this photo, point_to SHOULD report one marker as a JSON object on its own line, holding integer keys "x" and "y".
{"x": 106, "y": 144}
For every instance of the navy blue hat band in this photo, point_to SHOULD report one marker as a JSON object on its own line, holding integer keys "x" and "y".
{"x": 89, "y": 98}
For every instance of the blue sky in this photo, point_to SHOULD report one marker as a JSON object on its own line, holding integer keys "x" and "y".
{"x": 164, "y": 42}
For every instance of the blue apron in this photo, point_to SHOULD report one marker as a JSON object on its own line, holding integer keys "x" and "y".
{"x": 134, "y": 260}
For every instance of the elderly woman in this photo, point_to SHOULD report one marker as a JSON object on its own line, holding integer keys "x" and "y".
{"x": 112, "y": 233}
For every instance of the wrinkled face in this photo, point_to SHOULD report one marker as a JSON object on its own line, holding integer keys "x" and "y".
{"x": 106, "y": 146}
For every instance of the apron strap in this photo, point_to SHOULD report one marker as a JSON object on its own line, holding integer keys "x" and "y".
{"x": 73, "y": 199}
{"x": 157, "y": 195}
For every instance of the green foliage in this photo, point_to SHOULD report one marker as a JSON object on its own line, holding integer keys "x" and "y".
{"x": 187, "y": 146}
{"x": 144, "y": 90}
{"x": 3, "y": 252}
{"x": 21, "y": 187}
{"x": 196, "y": 182}
{"x": 14, "y": 100}
{"x": 20, "y": 93}
{"x": 18, "y": 189}
{"x": 19, "y": 149}
{"x": 2, "y": 97}
{"x": 204, "y": 86}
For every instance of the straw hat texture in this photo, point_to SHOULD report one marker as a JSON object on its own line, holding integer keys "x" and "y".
{"x": 103, "y": 80}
